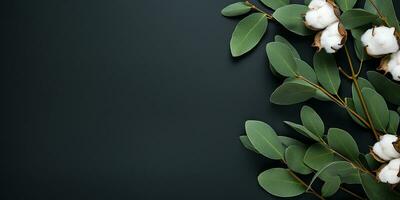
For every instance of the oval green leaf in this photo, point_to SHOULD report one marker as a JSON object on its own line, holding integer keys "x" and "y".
{"x": 281, "y": 58}
{"x": 291, "y": 17}
{"x": 377, "y": 108}
{"x": 327, "y": 71}
{"x": 291, "y": 93}
{"x": 288, "y": 141}
{"x": 317, "y": 156}
{"x": 264, "y": 139}
{"x": 280, "y": 182}
{"x": 302, "y": 130}
{"x": 248, "y": 32}
{"x": 387, "y": 88}
{"x": 345, "y": 5}
{"x": 236, "y": 9}
{"x": 247, "y": 144}
{"x": 312, "y": 121}
{"x": 357, "y": 17}
{"x": 331, "y": 186}
{"x": 362, "y": 83}
{"x": 394, "y": 120}
{"x": 343, "y": 142}
{"x": 305, "y": 70}
{"x": 294, "y": 156}
{"x": 376, "y": 190}
{"x": 275, "y": 4}
{"x": 283, "y": 40}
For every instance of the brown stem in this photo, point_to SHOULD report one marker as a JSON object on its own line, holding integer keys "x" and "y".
{"x": 352, "y": 193}
{"x": 254, "y": 7}
{"x": 360, "y": 96}
{"x": 306, "y": 185}
{"x": 344, "y": 73}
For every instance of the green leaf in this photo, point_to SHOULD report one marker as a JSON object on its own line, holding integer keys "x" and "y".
{"x": 305, "y": 70}
{"x": 247, "y": 144}
{"x": 360, "y": 50}
{"x": 281, "y": 39}
{"x": 377, "y": 108}
{"x": 357, "y": 17}
{"x": 372, "y": 164}
{"x": 302, "y": 130}
{"x": 387, "y": 88}
{"x": 294, "y": 156}
{"x": 350, "y": 104}
{"x": 317, "y": 156}
{"x": 341, "y": 169}
{"x": 275, "y": 4}
{"x": 342, "y": 142}
{"x": 345, "y": 5}
{"x": 312, "y": 121}
{"x": 248, "y": 33}
{"x": 393, "y": 122}
{"x": 235, "y": 9}
{"x": 291, "y": 17}
{"x": 291, "y": 93}
{"x": 386, "y": 8}
{"x": 279, "y": 182}
{"x": 281, "y": 58}
{"x": 331, "y": 187}
{"x": 264, "y": 139}
{"x": 327, "y": 71}
{"x": 288, "y": 141}
{"x": 363, "y": 83}
{"x": 375, "y": 190}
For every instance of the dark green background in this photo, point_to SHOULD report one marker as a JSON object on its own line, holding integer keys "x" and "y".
{"x": 138, "y": 100}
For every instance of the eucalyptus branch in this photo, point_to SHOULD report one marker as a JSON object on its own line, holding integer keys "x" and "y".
{"x": 361, "y": 97}
{"x": 382, "y": 17}
{"x": 344, "y": 73}
{"x": 254, "y": 7}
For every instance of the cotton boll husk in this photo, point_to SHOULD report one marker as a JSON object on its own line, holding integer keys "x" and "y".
{"x": 321, "y": 14}
{"x": 331, "y": 39}
{"x": 384, "y": 150}
{"x": 380, "y": 41}
{"x": 391, "y": 64}
{"x": 389, "y": 173}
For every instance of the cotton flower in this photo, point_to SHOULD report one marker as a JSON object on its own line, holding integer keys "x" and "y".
{"x": 389, "y": 173}
{"x": 331, "y": 39}
{"x": 384, "y": 150}
{"x": 321, "y": 13}
{"x": 380, "y": 41}
{"x": 391, "y": 64}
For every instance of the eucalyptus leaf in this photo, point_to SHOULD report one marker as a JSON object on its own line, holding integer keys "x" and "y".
{"x": 312, "y": 121}
{"x": 283, "y": 40}
{"x": 305, "y": 70}
{"x": 360, "y": 50}
{"x": 288, "y": 141}
{"x": 279, "y": 182}
{"x": 393, "y": 122}
{"x": 264, "y": 139}
{"x": 376, "y": 190}
{"x": 294, "y": 156}
{"x": 330, "y": 187}
{"x": 302, "y": 130}
{"x": 350, "y": 104}
{"x": 236, "y": 9}
{"x": 340, "y": 169}
{"x": 371, "y": 162}
{"x": 247, "y": 144}
{"x": 345, "y": 5}
{"x": 275, "y": 4}
{"x": 362, "y": 83}
{"x": 343, "y": 142}
{"x": 248, "y": 32}
{"x": 281, "y": 58}
{"x": 357, "y": 17}
{"x": 386, "y": 8}
{"x": 317, "y": 156}
{"x": 291, "y": 17}
{"x": 387, "y": 88}
{"x": 327, "y": 71}
{"x": 377, "y": 108}
{"x": 291, "y": 93}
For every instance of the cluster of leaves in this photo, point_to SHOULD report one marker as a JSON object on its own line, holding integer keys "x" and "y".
{"x": 334, "y": 158}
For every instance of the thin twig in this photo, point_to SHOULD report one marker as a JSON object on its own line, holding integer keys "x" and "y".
{"x": 306, "y": 185}
{"x": 352, "y": 193}
{"x": 254, "y": 7}
{"x": 344, "y": 73}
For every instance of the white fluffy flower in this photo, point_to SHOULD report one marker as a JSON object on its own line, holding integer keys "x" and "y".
{"x": 384, "y": 149}
{"x": 380, "y": 40}
{"x": 393, "y": 66}
{"x": 320, "y": 14}
{"x": 388, "y": 174}
{"x": 332, "y": 38}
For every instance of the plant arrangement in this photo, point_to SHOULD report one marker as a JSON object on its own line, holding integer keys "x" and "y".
{"x": 333, "y": 158}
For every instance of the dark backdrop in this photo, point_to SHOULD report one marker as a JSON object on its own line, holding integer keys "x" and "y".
{"x": 138, "y": 100}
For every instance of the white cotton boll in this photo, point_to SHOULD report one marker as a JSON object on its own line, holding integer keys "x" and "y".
{"x": 320, "y": 14}
{"x": 388, "y": 174}
{"x": 384, "y": 149}
{"x": 380, "y": 41}
{"x": 331, "y": 38}
{"x": 393, "y": 66}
